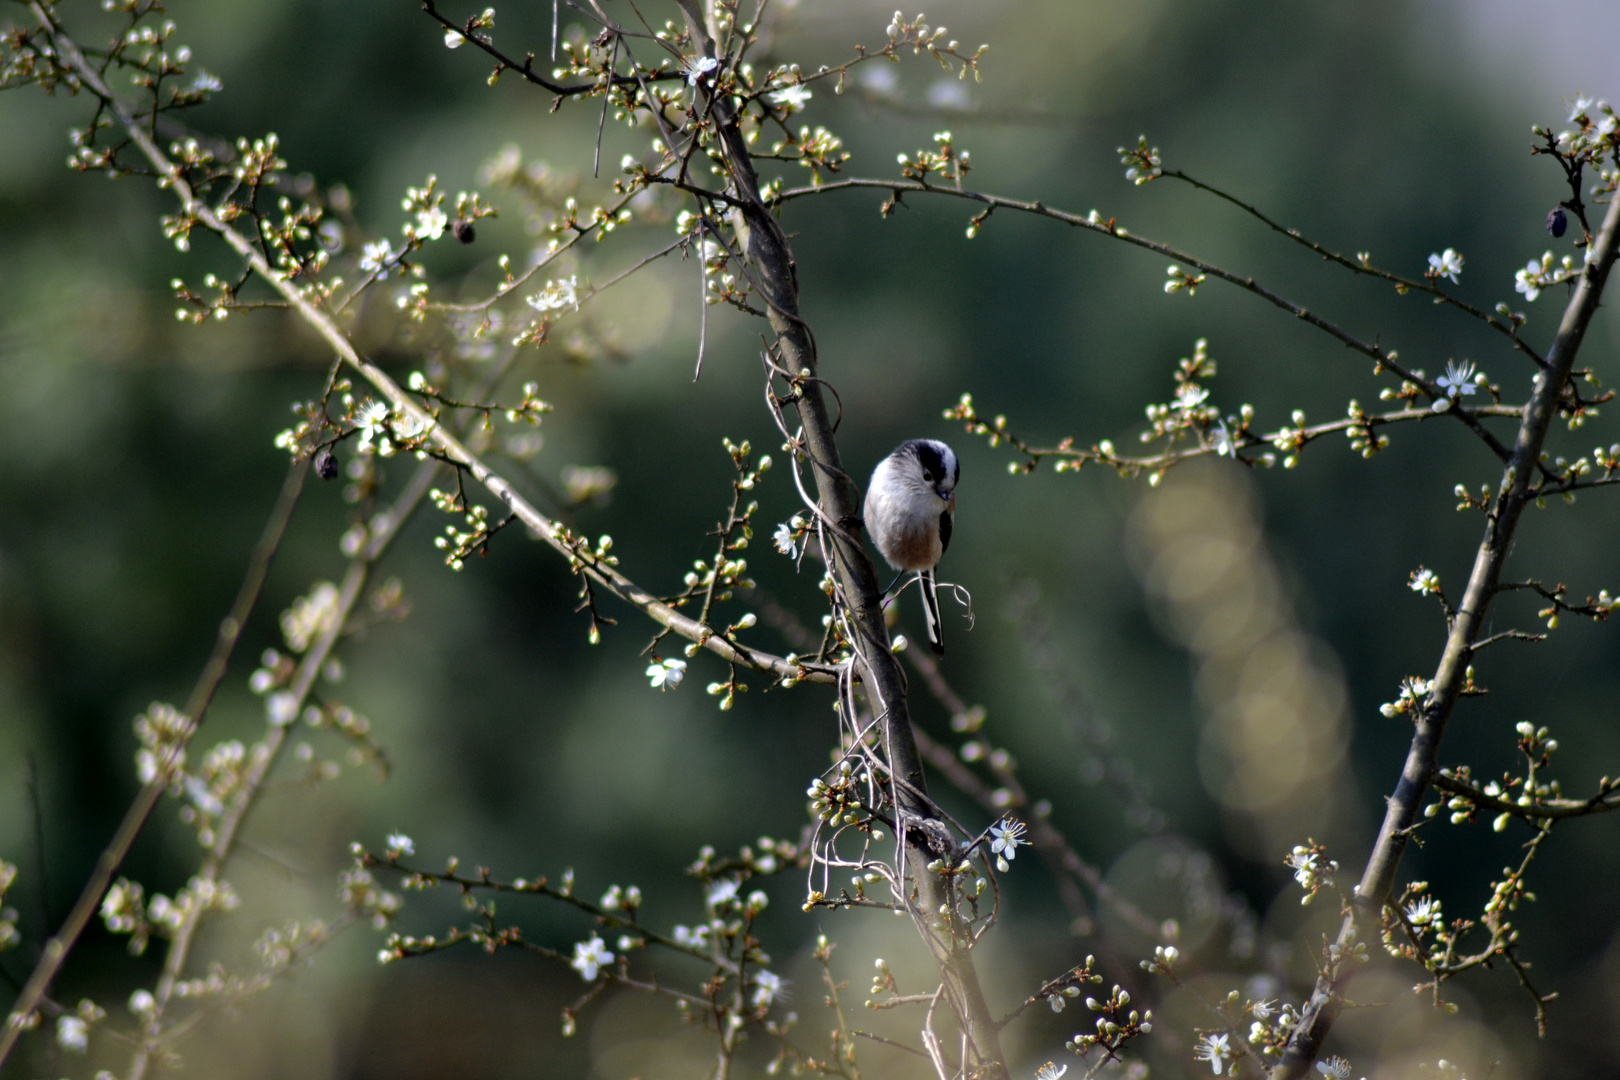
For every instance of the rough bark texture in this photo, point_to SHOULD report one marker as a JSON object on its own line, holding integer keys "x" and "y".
{"x": 770, "y": 261}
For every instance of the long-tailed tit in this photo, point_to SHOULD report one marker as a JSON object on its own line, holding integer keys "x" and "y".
{"x": 910, "y": 505}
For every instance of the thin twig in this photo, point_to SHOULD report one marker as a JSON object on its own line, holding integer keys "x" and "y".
{"x": 112, "y": 857}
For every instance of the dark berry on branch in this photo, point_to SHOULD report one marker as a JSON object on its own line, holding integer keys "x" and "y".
{"x": 1557, "y": 221}
{"x": 326, "y": 465}
{"x": 464, "y": 231}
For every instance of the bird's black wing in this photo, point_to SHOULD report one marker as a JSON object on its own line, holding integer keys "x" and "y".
{"x": 944, "y": 531}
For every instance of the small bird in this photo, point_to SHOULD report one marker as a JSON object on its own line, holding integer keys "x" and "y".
{"x": 910, "y": 506}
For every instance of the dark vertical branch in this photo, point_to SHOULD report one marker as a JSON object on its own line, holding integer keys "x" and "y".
{"x": 1378, "y": 879}
{"x": 770, "y": 259}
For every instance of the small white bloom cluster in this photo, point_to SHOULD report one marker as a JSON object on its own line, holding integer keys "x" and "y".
{"x": 692, "y": 938}
{"x": 72, "y": 1034}
{"x": 1540, "y": 274}
{"x": 310, "y": 616}
{"x": 791, "y": 98}
{"x": 378, "y": 259}
{"x": 1143, "y": 163}
{"x": 455, "y": 39}
{"x": 1312, "y": 869}
{"x": 1413, "y": 691}
{"x": 621, "y": 899}
{"x": 1164, "y": 960}
{"x": 162, "y": 730}
{"x": 557, "y": 295}
{"x": 767, "y": 988}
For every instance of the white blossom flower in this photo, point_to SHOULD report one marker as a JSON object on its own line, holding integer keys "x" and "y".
{"x": 1447, "y": 264}
{"x": 699, "y": 67}
{"x": 1262, "y": 1010}
{"x": 1425, "y": 581}
{"x": 1215, "y": 1049}
{"x": 202, "y": 798}
{"x": 785, "y": 541}
{"x": 1335, "y": 1068}
{"x": 202, "y": 83}
{"x": 453, "y": 39}
{"x": 1528, "y": 280}
{"x": 695, "y": 938}
{"x": 1050, "y": 1071}
{"x": 281, "y": 708}
{"x": 1008, "y": 834}
{"x": 590, "y": 956}
{"x": 1225, "y": 443}
{"x": 401, "y": 843}
{"x": 557, "y": 295}
{"x": 72, "y": 1034}
{"x": 1458, "y": 381}
{"x": 372, "y": 422}
{"x": 431, "y": 223}
{"x": 1423, "y": 911}
{"x": 666, "y": 674}
{"x": 1189, "y": 396}
{"x": 722, "y": 893}
{"x": 377, "y": 259}
{"x": 792, "y": 98}
{"x": 767, "y": 987}
{"x": 309, "y": 617}
{"x": 1312, "y": 869}
{"x": 1580, "y": 106}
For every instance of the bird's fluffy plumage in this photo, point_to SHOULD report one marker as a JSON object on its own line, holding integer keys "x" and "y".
{"x": 909, "y": 511}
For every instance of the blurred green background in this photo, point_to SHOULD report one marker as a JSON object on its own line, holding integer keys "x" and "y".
{"x": 140, "y": 467}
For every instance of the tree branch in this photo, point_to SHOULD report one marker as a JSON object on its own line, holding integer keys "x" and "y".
{"x": 1094, "y": 223}
{"x": 1378, "y": 878}
{"x": 230, "y": 629}
{"x": 766, "y": 250}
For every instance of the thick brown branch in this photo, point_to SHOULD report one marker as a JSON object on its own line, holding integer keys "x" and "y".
{"x": 770, "y": 262}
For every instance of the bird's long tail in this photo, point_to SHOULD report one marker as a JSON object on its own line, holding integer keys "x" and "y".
{"x": 930, "y": 597}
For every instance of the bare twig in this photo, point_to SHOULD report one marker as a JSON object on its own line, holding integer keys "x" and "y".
{"x": 112, "y": 857}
